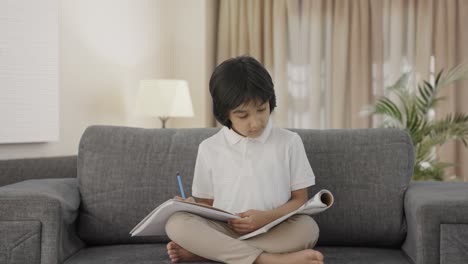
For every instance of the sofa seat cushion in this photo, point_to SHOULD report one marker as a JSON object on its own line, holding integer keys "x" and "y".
{"x": 124, "y": 254}
{"x": 156, "y": 253}
{"x": 363, "y": 255}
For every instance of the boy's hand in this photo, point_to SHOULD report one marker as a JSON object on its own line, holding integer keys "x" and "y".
{"x": 250, "y": 221}
{"x": 190, "y": 199}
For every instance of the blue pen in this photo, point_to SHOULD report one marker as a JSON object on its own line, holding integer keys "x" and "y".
{"x": 180, "y": 186}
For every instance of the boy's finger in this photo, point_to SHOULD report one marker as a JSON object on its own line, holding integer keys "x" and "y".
{"x": 242, "y": 231}
{"x": 240, "y": 225}
{"x": 239, "y": 230}
{"x": 238, "y": 221}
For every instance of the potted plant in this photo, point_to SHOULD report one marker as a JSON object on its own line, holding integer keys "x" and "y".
{"x": 411, "y": 107}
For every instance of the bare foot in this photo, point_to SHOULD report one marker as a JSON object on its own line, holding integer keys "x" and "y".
{"x": 179, "y": 254}
{"x": 307, "y": 256}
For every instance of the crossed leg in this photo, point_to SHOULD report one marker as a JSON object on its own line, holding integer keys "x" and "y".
{"x": 289, "y": 242}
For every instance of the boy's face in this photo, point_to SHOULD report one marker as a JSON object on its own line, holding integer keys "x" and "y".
{"x": 250, "y": 119}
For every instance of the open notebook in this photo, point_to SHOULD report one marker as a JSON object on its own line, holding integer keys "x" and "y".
{"x": 154, "y": 223}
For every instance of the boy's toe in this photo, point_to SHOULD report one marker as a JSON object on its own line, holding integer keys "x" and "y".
{"x": 319, "y": 256}
{"x": 169, "y": 245}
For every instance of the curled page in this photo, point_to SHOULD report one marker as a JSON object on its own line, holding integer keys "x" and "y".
{"x": 319, "y": 203}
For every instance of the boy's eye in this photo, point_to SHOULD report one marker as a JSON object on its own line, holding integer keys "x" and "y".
{"x": 243, "y": 117}
{"x": 261, "y": 110}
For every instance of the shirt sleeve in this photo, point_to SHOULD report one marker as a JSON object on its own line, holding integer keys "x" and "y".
{"x": 202, "y": 186}
{"x": 302, "y": 175}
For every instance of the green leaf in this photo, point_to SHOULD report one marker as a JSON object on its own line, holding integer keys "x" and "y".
{"x": 408, "y": 111}
{"x": 437, "y": 79}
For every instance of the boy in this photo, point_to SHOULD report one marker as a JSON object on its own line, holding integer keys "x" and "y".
{"x": 250, "y": 167}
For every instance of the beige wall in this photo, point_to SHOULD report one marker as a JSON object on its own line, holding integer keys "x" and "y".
{"x": 107, "y": 46}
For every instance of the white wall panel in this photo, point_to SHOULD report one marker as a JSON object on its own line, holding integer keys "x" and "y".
{"x": 29, "y": 70}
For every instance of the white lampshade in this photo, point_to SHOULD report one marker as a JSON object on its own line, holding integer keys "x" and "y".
{"x": 164, "y": 98}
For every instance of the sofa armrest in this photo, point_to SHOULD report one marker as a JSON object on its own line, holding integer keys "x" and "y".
{"x": 16, "y": 170}
{"x": 37, "y": 221}
{"x": 437, "y": 218}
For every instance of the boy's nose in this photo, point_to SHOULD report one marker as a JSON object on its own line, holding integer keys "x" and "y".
{"x": 254, "y": 124}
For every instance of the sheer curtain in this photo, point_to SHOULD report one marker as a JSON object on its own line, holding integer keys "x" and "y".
{"x": 309, "y": 49}
{"x": 257, "y": 28}
{"x": 330, "y": 58}
{"x": 450, "y": 47}
{"x": 329, "y": 68}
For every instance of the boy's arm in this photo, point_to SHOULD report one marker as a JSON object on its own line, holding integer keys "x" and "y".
{"x": 254, "y": 219}
{"x": 298, "y": 198}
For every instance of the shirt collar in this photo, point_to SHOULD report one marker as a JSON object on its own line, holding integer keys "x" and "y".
{"x": 233, "y": 138}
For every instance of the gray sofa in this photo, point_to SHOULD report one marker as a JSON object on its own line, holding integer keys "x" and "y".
{"x": 379, "y": 216}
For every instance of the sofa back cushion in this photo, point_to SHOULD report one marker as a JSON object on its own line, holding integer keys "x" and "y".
{"x": 124, "y": 173}
{"x": 368, "y": 172}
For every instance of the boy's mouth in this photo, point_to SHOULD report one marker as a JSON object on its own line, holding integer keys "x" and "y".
{"x": 255, "y": 132}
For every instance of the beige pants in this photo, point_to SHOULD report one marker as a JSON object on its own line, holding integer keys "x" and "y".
{"x": 216, "y": 241}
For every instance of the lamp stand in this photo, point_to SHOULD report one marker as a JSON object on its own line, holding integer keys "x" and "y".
{"x": 163, "y": 120}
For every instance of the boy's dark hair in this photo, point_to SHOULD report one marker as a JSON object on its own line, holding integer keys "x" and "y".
{"x": 237, "y": 81}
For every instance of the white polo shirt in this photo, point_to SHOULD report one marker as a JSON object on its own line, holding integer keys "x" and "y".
{"x": 242, "y": 173}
